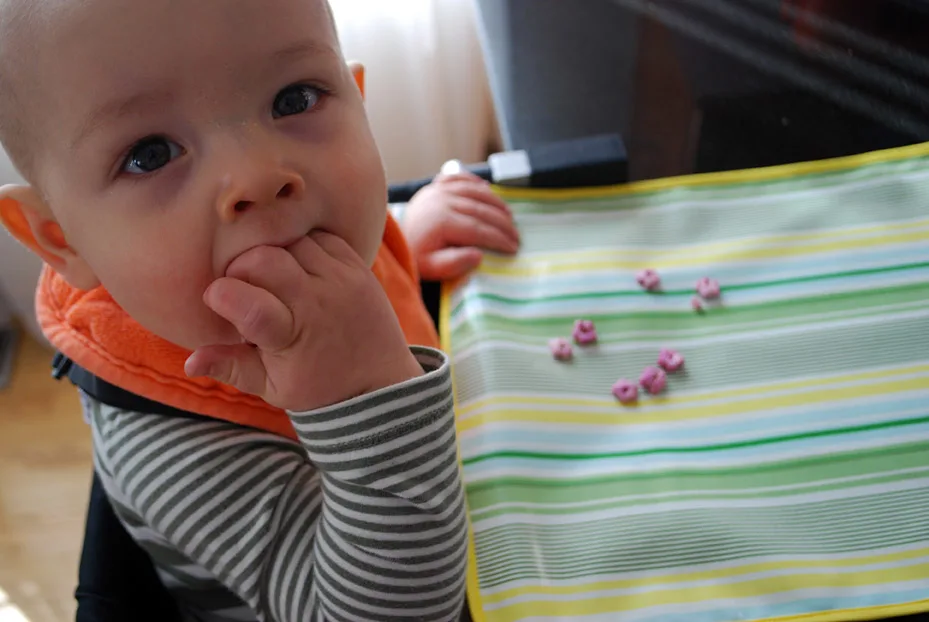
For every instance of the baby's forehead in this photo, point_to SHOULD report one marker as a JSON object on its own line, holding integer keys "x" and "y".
{"x": 91, "y": 48}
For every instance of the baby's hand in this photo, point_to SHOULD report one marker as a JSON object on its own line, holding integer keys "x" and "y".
{"x": 320, "y": 326}
{"x": 451, "y": 221}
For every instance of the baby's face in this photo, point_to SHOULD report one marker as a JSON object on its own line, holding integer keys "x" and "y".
{"x": 185, "y": 133}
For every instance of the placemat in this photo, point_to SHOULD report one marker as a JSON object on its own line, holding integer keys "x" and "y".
{"x": 785, "y": 471}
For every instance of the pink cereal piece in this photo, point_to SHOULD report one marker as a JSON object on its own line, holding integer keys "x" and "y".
{"x": 585, "y": 333}
{"x": 708, "y": 288}
{"x": 696, "y": 304}
{"x": 670, "y": 360}
{"x": 649, "y": 280}
{"x": 561, "y": 349}
{"x": 626, "y": 391}
{"x": 653, "y": 380}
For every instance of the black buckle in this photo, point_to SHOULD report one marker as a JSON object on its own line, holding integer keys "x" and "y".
{"x": 61, "y": 365}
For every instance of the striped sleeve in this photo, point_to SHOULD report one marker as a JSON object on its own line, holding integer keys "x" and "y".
{"x": 363, "y": 520}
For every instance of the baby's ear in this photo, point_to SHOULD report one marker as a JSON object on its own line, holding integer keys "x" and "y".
{"x": 358, "y": 72}
{"x": 27, "y": 217}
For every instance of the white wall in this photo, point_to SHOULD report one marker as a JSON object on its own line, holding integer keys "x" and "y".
{"x": 19, "y": 269}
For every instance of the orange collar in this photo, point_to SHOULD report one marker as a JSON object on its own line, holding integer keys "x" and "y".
{"x": 92, "y": 330}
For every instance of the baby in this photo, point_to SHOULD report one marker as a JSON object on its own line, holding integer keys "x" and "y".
{"x": 212, "y": 208}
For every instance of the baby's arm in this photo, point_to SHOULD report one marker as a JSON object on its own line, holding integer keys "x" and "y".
{"x": 373, "y": 528}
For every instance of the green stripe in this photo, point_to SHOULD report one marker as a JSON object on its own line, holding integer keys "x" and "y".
{"x": 727, "y": 479}
{"x": 535, "y": 337}
{"x": 620, "y": 501}
{"x": 826, "y": 467}
{"x": 723, "y": 319}
{"x": 469, "y": 296}
{"x": 695, "y": 449}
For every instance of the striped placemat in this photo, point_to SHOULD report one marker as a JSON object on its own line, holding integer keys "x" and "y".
{"x": 785, "y": 473}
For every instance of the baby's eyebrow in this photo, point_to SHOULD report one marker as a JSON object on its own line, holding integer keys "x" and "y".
{"x": 155, "y": 100}
{"x": 299, "y": 49}
{"x": 120, "y": 107}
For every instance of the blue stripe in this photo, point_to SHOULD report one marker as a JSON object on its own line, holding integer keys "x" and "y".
{"x": 768, "y": 610}
{"x": 501, "y": 467}
{"x": 606, "y": 438}
{"x": 686, "y": 276}
{"x": 641, "y": 304}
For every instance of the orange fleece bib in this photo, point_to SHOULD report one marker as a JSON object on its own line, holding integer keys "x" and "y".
{"x": 93, "y": 331}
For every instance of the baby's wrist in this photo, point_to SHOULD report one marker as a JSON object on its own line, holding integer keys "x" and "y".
{"x": 393, "y": 371}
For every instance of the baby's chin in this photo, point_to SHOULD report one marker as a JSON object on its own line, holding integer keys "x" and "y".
{"x": 209, "y": 330}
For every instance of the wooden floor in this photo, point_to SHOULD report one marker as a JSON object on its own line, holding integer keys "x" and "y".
{"x": 45, "y": 469}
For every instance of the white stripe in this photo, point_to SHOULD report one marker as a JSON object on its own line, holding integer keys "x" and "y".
{"x": 215, "y": 442}
{"x": 518, "y": 519}
{"x": 378, "y": 464}
{"x": 718, "y": 201}
{"x": 811, "y": 237}
{"x": 649, "y": 347}
{"x": 361, "y": 418}
{"x": 441, "y": 569}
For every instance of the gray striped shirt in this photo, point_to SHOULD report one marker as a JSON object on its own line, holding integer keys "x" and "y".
{"x": 363, "y": 519}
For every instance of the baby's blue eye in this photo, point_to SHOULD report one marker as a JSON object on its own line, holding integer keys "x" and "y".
{"x": 151, "y": 154}
{"x": 295, "y": 99}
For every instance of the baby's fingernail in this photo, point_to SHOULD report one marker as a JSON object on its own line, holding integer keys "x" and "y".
{"x": 192, "y": 369}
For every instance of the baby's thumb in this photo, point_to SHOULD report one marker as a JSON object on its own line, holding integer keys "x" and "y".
{"x": 449, "y": 263}
{"x": 238, "y": 366}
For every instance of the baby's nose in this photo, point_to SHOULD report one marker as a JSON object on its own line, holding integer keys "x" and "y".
{"x": 259, "y": 189}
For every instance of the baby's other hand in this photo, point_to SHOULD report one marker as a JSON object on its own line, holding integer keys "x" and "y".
{"x": 316, "y": 325}
{"x": 449, "y": 223}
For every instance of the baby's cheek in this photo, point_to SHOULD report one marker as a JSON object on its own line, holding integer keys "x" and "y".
{"x": 168, "y": 301}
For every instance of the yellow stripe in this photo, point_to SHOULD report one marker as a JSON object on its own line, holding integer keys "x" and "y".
{"x": 710, "y": 248}
{"x": 771, "y": 173}
{"x": 712, "y": 575}
{"x": 685, "y": 412}
{"x": 749, "y": 589}
{"x": 747, "y": 250}
{"x": 473, "y": 584}
{"x": 689, "y": 402}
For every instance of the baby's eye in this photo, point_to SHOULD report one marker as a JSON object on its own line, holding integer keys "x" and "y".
{"x": 151, "y": 154}
{"x": 295, "y": 99}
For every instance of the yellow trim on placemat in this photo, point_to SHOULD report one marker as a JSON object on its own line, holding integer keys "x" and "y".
{"x": 772, "y": 173}
{"x": 878, "y": 612}
{"x": 474, "y": 591}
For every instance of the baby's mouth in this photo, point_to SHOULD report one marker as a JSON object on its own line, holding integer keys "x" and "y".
{"x": 284, "y": 244}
